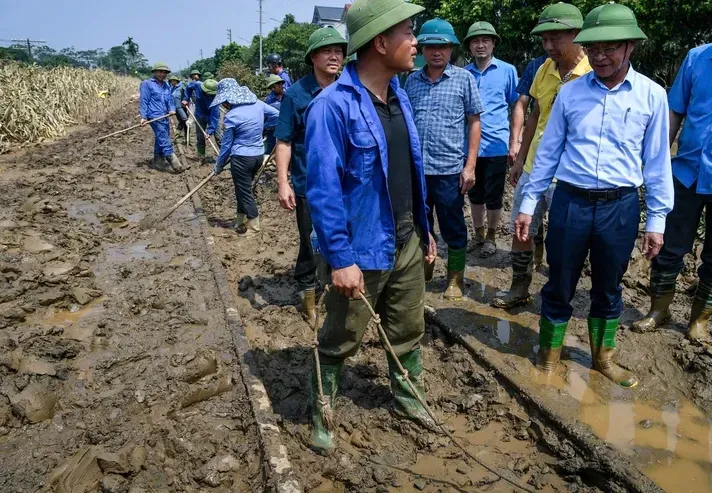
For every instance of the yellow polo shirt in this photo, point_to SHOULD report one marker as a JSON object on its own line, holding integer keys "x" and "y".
{"x": 546, "y": 86}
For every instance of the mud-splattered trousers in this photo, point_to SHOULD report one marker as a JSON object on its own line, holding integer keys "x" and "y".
{"x": 162, "y": 145}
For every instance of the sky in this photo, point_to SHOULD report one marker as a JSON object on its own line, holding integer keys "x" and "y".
{"x": 173, "y": 32}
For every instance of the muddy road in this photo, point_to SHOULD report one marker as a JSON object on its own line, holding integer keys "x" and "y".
{"x": 119, "y": 373}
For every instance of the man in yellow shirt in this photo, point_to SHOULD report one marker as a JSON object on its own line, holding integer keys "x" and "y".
{"x": 558, "y": 26}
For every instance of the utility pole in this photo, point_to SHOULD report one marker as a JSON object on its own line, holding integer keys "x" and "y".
{"x": 229, "y": 35}
{"x": 29, "y": 42}
{"x": 260, "y": 1}
{"x": 201, "y": 53}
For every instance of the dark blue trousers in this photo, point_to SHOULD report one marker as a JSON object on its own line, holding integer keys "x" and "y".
{"x": 445, "y": 198}
{"x": 162, "y": 145}
{"x": 604, "y": 230}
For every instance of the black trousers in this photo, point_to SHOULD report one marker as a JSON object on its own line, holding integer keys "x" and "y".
{"x": 243, "y": 170}
{"x": 305, "y": 270}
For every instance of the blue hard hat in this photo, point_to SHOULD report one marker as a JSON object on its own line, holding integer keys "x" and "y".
{"x": 437, "y": 32}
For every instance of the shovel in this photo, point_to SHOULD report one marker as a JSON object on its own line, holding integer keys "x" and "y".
{"x": 150, "y": 221}
{"x": 132, "y": 127}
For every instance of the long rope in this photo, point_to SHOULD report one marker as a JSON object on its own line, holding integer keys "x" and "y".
{"x": 327, "y": 412}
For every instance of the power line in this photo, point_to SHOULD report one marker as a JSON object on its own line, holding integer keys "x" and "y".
{"x": 229, "y": 35}
{"x": 260, "y": 2}
{"x": 29, "y": 42}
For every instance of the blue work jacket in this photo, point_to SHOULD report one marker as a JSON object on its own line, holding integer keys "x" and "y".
{"x": 347, "y": 175}
{"x": 155, "y": 99}
{"x": 203, "y": 111}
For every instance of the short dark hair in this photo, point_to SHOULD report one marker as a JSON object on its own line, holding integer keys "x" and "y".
{"x": 364, "y": 49}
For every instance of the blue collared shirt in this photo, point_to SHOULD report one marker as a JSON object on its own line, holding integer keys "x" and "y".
{"x": 292, "y": 127}
{"x": 244, "y": 125}
{"x": 691, "y": 96}
{"x": 285, "y": 76}
{"x": 347, "y": 175}
{"x": 498, "y": 90}
{"x": 441, "y": 110}
{"x": 203, "y": 111}
{"x": 598, "y": 138}
{"x": 155, "y": 99}
{"x": 525, "y": 83}
{"x": 177, "y": 94}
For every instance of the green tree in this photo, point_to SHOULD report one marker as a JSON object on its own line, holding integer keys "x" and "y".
{"x": 231, "y": 52}
{"x": 244, "y": 76}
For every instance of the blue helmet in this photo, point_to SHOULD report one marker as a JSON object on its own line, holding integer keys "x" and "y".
{"x": 437, "y": 32}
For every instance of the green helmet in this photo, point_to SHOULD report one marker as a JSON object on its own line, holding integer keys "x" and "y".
{"x": 559, "y": 17}
{"x": 366, "y": 19}
{"x": 610, "y": 22}
{"x": 209, "y": 86}
{"x": 208, "y": 75}
{"x": 436, "y": 32}
{"x": 481, "y": 28}
{"x": 274, "y": 79}
{"x": 173, "y": 77}
{"x": 326, "y": 36}
{"x": 194, "y": 72}
{"x": 160, "y": 66}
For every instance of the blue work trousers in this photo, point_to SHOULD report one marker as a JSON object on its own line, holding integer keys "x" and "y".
{"x": 445, "y": 198}
{"x": 162, "y": 145}
{"x": 603, "y": 230}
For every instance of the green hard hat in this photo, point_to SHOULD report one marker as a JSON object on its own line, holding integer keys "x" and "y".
{"x": 274, "y": 79}
{"x": 559, "y": 17}
{"x": 209, "y": 86}
{"x": 208, "y": 75}
{"x": 160, "y": 66}
{"x": 366, "y": 19}
{"x": 436, "y": 32}
{"x": 195, "y": 72}
{"x": 610, "y": 22}
{"x": 174, "y": 77}
{"x": 325, "y": 36}
{"x": 481, "y": 28}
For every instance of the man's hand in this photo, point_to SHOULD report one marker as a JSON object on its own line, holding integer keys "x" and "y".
{"x": 521, "y": 226}
{"x": 432, "y": 252}
{"x": 286, "y": 196}
{"x": 348, "y": 281}
{"x": 184, "y": 103}
{"x": 652, "y": 243}
{"x": 515, "y": 172}
{"x": 467, "y": 178}
{"x": 171, "y": 113}
{"x": 513, "y": 152}
{"x": 143, "y": 122}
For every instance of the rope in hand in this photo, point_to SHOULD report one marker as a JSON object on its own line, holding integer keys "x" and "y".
{"x": 327, "y": 412}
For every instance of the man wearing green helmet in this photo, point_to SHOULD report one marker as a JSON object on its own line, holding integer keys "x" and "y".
{"x": 156, "y": 100}
{"x": 366, "y": 193}
{"x": 195, "y": 74}
{"x": 177, "y": 90}
{"x": 275, "y": 84}
{"x": 607, "y": 135}
{"x": 207, "y": 116}
{"x": 497, "y": 83}
{"x": 446, "y": 103}
{"x": 326, "y": 57}
{"x": 558, "y": 26}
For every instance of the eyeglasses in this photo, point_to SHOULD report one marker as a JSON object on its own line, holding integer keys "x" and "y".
{"x": 594, "y": 52}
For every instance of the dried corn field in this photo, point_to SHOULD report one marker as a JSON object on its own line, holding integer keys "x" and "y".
{"x": 38, "y": 103}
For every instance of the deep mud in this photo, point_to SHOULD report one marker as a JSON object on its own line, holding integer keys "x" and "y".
{"x": 116, "y": 367}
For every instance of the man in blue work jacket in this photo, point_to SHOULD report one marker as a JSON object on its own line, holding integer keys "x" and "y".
{"x": 690, "y": 98}
{"x": 325, "y": 55}
{"x": 177, "y": 90}
{"x": 366, "y": 193}
{"x": 275, "y": 84}
{"x": 497, "y": 83}
{"x": 156, "y": 100}
{"x": 446, "y": 103}
{"x": 202, "y": 94}
{"x": 606, "y": 136}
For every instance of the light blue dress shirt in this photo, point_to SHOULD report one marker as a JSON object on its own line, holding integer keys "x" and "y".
{"x": 244, "y": 125}
{"x": 598, "y": 138}
{"x": 498, "y": 90}
{"x": 691, "y": 96}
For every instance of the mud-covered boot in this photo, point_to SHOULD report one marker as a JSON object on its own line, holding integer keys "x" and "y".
{"x": 489, "y": 247}
{"x": 200, "y": 151}
{"x": 602, "y": 338}
{"x": 662, "y": 291}
{"x": 478, "y": 240}
{"x": 323, "y": 425}
{"x": 240, "y": 221}
{"x": 406, "y": 404}
{"x": 175, "y": 163}
{"x": 551, "y": 343}
{"x": 159, "y": 163}
{"x": 308, "y": 297}
{"x": 456, "y": 260}
{"x": 518, "y": 293}
{"x": 700, "y": 314}
{"x": 252, "y": 228}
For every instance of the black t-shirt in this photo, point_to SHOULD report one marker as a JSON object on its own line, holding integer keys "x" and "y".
{"x": 400, "y": 164}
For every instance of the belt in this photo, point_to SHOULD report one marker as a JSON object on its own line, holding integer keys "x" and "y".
{"x": 595, "y": 195}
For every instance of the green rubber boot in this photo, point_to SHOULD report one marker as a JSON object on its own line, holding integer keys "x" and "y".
{"x": 406, "y": 404}
{"x": 456, "y": 260}
{"x": 551, "y": 342}
{"x": 662, "y": 291}
{"x": 602, "y": 337}
{"x": 700, "y": 314}
{"x": 323, "y": 426}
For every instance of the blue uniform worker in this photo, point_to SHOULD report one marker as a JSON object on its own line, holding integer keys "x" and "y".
{"x": 606, "y": 136}
{"x": 202, "y": 94}
{"x": 178, "y": 89}
{"x": 276, "y": 86}
{"x": 690, "y": 98}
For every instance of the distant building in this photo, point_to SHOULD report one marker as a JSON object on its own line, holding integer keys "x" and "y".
{"x": 332, "y": 17}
